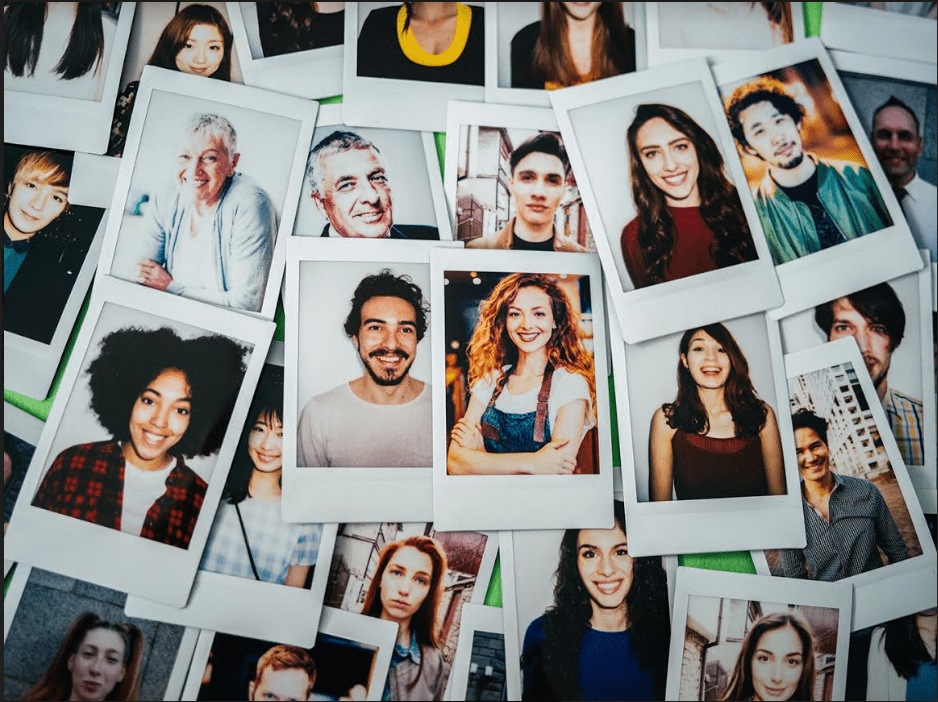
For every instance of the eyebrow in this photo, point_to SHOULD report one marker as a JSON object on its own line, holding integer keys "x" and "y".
{"x": 784, "y": 655}
{"x": 158, "y": 394}
{"x": 670, "y": 143}
{"x": 384, "y": 321}
{"x": 547, "y": 174}
{"x": 596, "y": 548}
{"x": 537, "y": 307}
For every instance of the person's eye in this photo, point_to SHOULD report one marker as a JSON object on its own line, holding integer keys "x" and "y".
{"x": 185, "y": 158}
{"x": 879, "y": 329}
{"x": 681, "y": 147}
{"x": 215, "y": 47}
{"x": 146, "y": 400}
{"x": 622, "y": 552}
{"x": 762, "y": 658}
{"x": 30, "y": 185}
{"x": 721, "y": 350}
{"x": 113, "y": 660}
{"x": 58, "y": 198}
{"x": 587, "y": 554}
{"x": 183, "y": 411}
{"x": 345, "y": 186}
{"x": 407, "y": 330}
{"x": 423, "y": 581}
{"x": 189, "y": 45}
{"x": 379, "y": 178}
{"x": 555, "y": 181}
{"x": 794, "y": 662}
{"x": 841, "y": 327}
{"x": 209, "y": 159}
{"x": 514, "y": 313}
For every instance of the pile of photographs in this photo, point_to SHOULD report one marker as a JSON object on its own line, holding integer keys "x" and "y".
{"x": 673, "y": 292}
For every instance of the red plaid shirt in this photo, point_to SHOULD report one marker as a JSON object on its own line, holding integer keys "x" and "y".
{"x": 87, "y": 482}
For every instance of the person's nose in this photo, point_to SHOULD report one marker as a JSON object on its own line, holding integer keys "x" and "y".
{"x": 269, "y": 440}
{"x": 39, "y": 200}
{"x": 201, "y": 55}
{"x": 863, "y": 339}
{"x": 403, "y": 587}
{"x": 97, "y": 666}
{"x": 367, "y": 192}
{"x": 776, "y": 672}
{"x": 160, "y": 416}
{"x": 605, "y": 565}
{"x": 894, "y": 142}
{"x": 669, "y": 162}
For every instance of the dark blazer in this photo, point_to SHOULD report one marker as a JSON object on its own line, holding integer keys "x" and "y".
{"x": 405, "y": 231}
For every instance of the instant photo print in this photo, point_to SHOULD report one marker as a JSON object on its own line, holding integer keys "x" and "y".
{"x": 479, "y": 666}
{"x": 512, "y": 31}
{"x": 21, "y": 432}
{"x": 58, "y": 104}
{"x": 828, "y": 382}
{"x": 729, "y": 630}
{"x": 880, "y": 32}
{"x": 529, "y": 456}
{"x": 674, "y": 117}
{"x": 867, "y": 239}
{"x": 179, "y": 138}
{"x": 56, "y": 524}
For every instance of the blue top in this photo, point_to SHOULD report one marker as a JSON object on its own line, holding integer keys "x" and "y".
{"x": 608, "y": 665}
{"x": 922, "y": 686}
{"x": 14, "y": 253}
{"x": 398, "y": 656}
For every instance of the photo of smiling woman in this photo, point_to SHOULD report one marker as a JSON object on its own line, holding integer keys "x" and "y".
{"x": 689, "y": 216}
{"x": 717, "y": 438}
{"x": 162, "y": 399}
{"x": 531, "y": 380}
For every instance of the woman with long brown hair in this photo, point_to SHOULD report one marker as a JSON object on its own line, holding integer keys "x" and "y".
{"x": 407, "y": 588}
{"x": 532, "y": 383}
{"x": 717, "y": 438}
{"x": 573, "y": 43}
{"x": 689, "y": 218}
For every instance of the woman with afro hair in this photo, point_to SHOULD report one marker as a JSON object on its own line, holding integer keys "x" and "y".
{"x": 162, "y": 399}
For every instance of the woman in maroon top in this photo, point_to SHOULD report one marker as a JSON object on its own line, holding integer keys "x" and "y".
{"x": 718, "y": 438}
{"x": 689, "y": 217}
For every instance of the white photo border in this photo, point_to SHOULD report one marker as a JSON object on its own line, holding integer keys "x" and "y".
{"x": 475, "y": 617}
{"x": 864, "y": 30}
{"x": 26, "y": 427}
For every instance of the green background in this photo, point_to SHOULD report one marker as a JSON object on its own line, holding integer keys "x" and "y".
{"x": 735, "y": 561}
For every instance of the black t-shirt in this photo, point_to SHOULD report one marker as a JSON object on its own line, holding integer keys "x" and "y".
{"x": 519, "y": 244}
{"x": 279, "y": 36}
{"x": 828, "y": 233}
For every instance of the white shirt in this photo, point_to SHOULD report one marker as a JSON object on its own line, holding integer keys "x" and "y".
{"x": 194, "y": 263}
{"x": 141, "y": 489}
{"x": 921, "y": 210}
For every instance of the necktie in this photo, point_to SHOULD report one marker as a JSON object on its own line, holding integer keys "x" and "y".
{"x": 900, "y": 193}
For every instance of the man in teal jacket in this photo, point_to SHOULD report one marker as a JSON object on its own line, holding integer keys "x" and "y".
{"x": 805, "y": 203}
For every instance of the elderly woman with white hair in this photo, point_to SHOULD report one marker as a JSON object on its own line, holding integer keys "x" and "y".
{"x": 209, "y": 237}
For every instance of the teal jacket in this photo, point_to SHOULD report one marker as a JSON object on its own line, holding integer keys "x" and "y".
{"x": 846, "y": 190}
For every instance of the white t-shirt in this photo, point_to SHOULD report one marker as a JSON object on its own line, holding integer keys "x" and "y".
{"x": 565, "y": 387}
{"x": 194, "y": 262}
{"x": 141, "y": 489}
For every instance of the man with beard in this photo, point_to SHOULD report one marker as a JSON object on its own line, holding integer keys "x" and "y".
{"x": 805, "y": 203}
{"x": 875, "y": 318}
{"x": 383, "y": 418}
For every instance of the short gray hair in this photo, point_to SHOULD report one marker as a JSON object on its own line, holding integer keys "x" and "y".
{"x": 215, "y": 126}
{"x": 336, "y": 143}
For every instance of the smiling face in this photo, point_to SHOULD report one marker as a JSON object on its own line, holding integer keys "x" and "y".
{"x": 530, "y": 320}
{"x": 581, "y": 10}
{"x": 97, "y": 666}
{"x": 265, "y": 444}
{"x": 897, "y": 143}
{"x": 387, "y": 339}
{"x": 356, "y": 194}
{"x": 813, "y": 455}
{"x": 283, "y": 684}
{"x": 538, "y": 184}
{"x": 670, "y": 160}
{"x": 405, "y": 583}
{"x": 203, "y": 51}
{"x": 707, "y": 361}
{"x": 204, "y": 167}
{"x": 777, "y": 664}
{"x": 771, "y": 135}
{"x": 605, "y": 566}
{"x": 159, "y": 419}
{"x": 872, "y": 338}
{"x": 33, "y": 205}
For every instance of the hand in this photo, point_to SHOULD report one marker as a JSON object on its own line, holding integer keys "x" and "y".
{"x": 550, "y": 460}
{"x": 468, "y": 436}
{"x": 356, "y": 693}
{"x": 153, "y": 275}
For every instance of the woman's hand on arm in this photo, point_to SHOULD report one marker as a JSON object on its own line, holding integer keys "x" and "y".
{"x": 660, "y": 458}
{"x": 468, "y": 435}
{"x": 772, "y": 457}
{"x": 296, "y": 576}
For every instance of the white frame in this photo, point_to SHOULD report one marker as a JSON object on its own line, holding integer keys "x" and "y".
{"x": 665, "y": 527}
{"x": 657, "y": 310}
{"x": 875, "y": 591}
{"x": 109, "y": 557}
{"x": 335, "y": 622}
{"x": 659, "y": 55}
{"x": 174, "y": 82}
{"x": 25, "y": 427}
{"x": 490, "y": 502}
{"x": 391, "y": 102}
{"x": 475, "y": 617}
{"x": 864, "y": 30}
{"x": 742, "y": 586}
{"x": 29, "y": 366}
{"x": 315, "y": 73}
{"x": 872, "y": 258}
{"x": 494, "y": 93}
{"x": 67, "y": 123}
{"x": 173, "y": 691}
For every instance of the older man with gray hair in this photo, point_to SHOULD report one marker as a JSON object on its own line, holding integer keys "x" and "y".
{"x": 350, "y": 187}
{"x": 209, "y": 237}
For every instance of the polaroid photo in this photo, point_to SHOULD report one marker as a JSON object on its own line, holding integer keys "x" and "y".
{"x": 68, "y": 639}
{"x": 861, "y": 28}
{"x": 358, "y": 403}
{"x": 390, "y": 80}
{"x": 364, "y": 183}
{"x": 820, "y": 192}
{"x": 873, "y": 535}
{"x": 349, "y": 660}
{"x": 689, "y": 483}
{"x": 525, "y": 451}
{"x": 207, "y": 190}
{"x": 56, "y": 209}
{"x": 290, "y": 47}
{"x": 892, "y": 325}
{"x": 895, "y": 113}
{"x": 21, "y": 432}
{"x": 549, "y": 578}
{"x": 479, "y": 668}
{"x": 719, "y": 31}
{"x": 395, "y": 571}
{"x": 125, "y": 480}
{"x": 62, "y": 70}
{"x": 738, "y": 637}
{"x": 252, "y": 554}
{"x": 508, "y": 181}
{"x": 514, "y": 30}
{"x": 666, "y": 270}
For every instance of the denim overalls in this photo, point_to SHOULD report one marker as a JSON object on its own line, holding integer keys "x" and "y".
{"x": 505, "y": 432}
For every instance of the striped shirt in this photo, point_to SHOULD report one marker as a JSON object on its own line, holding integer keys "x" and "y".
{"x": 906, "y": 418}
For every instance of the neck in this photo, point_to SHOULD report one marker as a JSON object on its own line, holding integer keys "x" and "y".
{"x": 882, "y": 387}
{"x": 902, "y": 180}
{"x": 61, "y": 8}
{"x": 580, "y": 29}
{"x": 204, "y": 208}
{"x": 365, "y": 388}
{"x": 692, "y": 200}
{"x": 153, "y": 464}
{"x": 403, "y": 631}
{"x": 534, "y": 233}
{"x": 265, "y": 484}
{"x": 818, "y": 489}
{"x": 926, "y": 625}
{"x": 713, "y": 400}
{"x": 431, "y": 11}
{"x": 531, "y": 364}
{"x": 327, "y": 8}
{"x": 792, "y": 177}
{"x": 616, "y": 619}
{"x": 12, "y": 232}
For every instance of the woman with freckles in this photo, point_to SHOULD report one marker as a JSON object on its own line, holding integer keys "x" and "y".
{"x": 162, "y": 399}
{"x": 532, "y": 384}
{"x": 689, "y": 218}
{"x": 718, "y": 438}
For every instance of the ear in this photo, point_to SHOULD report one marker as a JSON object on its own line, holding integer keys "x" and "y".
{"x": 319, "y": 203}
{"x": 234, "y": 163}
{"x": 120, "y": 679}
{"x": 251, "y": 690}
{"x": 751, "y": 151}
{"x": 355, "y": 342}
{"x": 684, "y": 359}
{"x": 71, "y": 662}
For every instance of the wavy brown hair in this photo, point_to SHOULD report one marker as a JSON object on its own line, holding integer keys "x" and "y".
{"x": 720, "y": 206}
{"x": 491, "y": 349}
{"x": 687, "y": 411}
{"x": 176, "y": 34}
